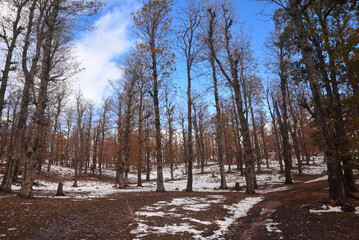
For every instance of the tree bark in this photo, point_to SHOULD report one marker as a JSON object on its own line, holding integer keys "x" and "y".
{"x": 60, "y": 189}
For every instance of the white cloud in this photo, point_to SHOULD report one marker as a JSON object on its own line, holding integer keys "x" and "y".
{"x": 97, "y": 49}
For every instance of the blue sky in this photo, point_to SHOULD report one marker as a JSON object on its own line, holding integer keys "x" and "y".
{"x": 98, "y": 50}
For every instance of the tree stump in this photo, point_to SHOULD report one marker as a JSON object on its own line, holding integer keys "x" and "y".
{"x": 60, "y": 189}
{"x": 237, "y": 188}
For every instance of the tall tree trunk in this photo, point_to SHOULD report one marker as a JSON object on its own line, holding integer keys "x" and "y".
{"x": 219, "y": 127}
{"x": 148, "y": 151}
{"x": 140, "y": 142}
{"x": 198, "y": 140}
{"x": 235, "y": 127}
{"x": 95, "y": 149}
{"x": 201, "y": 140}
{"x": 189, "y": 133}
{"x": 264, "y": 143}
{"x": 255, "y": 136}
{"x": 120, "y": 165}
{"x": 294, "y": 133}
{"x": 286, "y": 146}
{"x": 275, "y": 132}
{"x": 185, "y": 148}
{"x": 15, "y": 146}
{"x": 39, "y": 134}
{"x": 283, "y": 115}
{"x": 304, "y": 140}
{"x": 234, "y": 82}
{"x": 335, "y": 175}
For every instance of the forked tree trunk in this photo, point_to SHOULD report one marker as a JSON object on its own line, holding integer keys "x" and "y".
{"x": 17, "y": 139}
{"x": 219, "y": 129}
{"x": 39, "y": 134}
{"x": 233, "y": 80}
{"x": 16, "y": 30}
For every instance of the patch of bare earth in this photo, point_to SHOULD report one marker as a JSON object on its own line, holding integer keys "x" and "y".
{"x": 286, "y": 215}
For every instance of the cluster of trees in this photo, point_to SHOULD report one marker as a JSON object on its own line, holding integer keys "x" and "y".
{"x": 326, "y": 37}
{"x": 35, "y": 39}
{"x": 310, "y": 101}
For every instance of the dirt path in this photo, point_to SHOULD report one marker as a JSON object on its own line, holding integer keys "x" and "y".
{"x": 286, "y": 215}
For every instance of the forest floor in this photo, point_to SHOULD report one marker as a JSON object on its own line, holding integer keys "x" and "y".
{"x": 278, "y": 211}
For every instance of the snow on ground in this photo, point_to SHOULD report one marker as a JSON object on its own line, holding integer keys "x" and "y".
{"x": 62, "y": 170}
{"x": 270, "y": 190}
{"x": 268, "y": 181}
{"x": 236, "y": 211}
{"x": 85, "y": 190}
{"x": 318, "y": 168}
{"x": 207, "y": 182}
{"x": 271, "y": 226}
{"x": 326, "y": 209}
{"x": 318, "y": 179}
{"x": 186, "y": 206}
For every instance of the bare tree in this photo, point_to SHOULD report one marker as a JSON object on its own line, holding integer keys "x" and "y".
{"x": 10, "y": 41}
{"x": 59, "y": 93}
{"x": 152, "y": 25}
{"x": 142, "y": 115}
{"x": 170, "y": 108}
{"x": 236, "y": 54}
{"x": 81, "y": 108}
{"x": 189, "y": 43}
{"x": 29, "y": 74}
{"x": 103, "y": 123}
{"x": 210, "y": 41}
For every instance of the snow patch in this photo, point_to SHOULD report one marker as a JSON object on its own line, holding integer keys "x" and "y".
{"x": 190, "y": 204}
{"x": 270, "y": 190}
{"x": 198, "y": 221}
{"x": 236, "y": 211}
{"x": 326, "y": 209}
{"x": 271, "y": 226}
{"x": 182, "y": 228}
{"x": 318, "y": 179}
